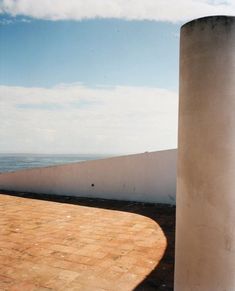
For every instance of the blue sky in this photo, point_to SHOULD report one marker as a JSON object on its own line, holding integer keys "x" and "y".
{"x": 94, "y": 52}
{"x": 92, "y": 77}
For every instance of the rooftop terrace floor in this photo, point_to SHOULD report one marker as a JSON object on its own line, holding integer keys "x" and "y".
{"x": 84, "y": 244}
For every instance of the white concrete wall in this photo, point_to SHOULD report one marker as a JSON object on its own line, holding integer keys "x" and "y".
{"x": 147, "y": 177}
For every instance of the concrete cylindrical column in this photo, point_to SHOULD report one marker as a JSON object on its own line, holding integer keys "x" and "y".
{"x": 205, "y": 219}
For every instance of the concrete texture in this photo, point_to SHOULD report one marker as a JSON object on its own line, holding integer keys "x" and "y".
{"x": 205, "y": 231}
{"x": 148, "y": 177}
{"x": 96, "y": 245}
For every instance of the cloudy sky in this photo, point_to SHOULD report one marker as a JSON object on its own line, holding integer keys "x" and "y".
{"x": 92, "y": 76}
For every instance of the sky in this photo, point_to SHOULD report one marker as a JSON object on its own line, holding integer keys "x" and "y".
{"x": 92, "y": 76}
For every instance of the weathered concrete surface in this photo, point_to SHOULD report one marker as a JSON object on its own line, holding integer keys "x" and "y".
{"x": 205, "y": 231}
{"x": 96, "y": 245}
{"x": 148, "y": 177}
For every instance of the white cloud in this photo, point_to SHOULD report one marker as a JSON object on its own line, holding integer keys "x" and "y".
{"x": 9, "y": 21}
{"x": 77, "y": 119}
{"x": 162, "y": 10}
{"x": 5, "y": 21}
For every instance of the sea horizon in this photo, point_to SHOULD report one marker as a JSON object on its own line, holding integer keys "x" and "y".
{"x": 10, "y": 162}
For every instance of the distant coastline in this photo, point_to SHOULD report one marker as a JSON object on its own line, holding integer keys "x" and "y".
{"x": 12, "y": 161}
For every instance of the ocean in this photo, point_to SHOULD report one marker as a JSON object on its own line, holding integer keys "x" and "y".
{"x": 14, "y": 162}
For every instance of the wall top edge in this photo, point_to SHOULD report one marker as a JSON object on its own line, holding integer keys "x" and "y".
{"x": 160, "y": 152}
